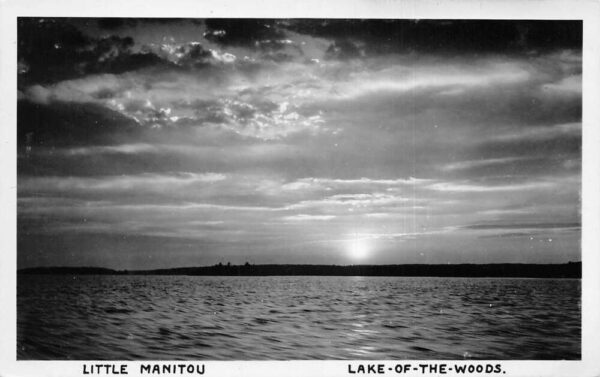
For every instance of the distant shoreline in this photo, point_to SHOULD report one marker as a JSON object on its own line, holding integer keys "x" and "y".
{"x": 509, "y": 270}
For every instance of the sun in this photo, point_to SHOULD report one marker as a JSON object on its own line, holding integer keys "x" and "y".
{"x": 358, "y": 248}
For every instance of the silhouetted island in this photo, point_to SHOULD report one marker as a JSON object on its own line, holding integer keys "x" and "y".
{"x": 565, "y": 270}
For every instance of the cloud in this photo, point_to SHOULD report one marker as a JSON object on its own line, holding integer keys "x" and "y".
{"x": 274, "y": 101}
{"x": 393, "y": 236}
{"x": 447, "y": 36}
{"x": 464, "y": 165}
{"x": 531, "y": 232}
{"x": 557, "y": 131}
{"x": 473, "y": 187}
{"x": 570, "y": 85}
{"x": 54, "y": 49}
{"x": 136, "y": 183}
{"x": 243, "y": 32}
{"x": 456, "y": 78}
{"x": 344, "y": 49}
{"x": 245, "y": 119}
{"x": 314, "y": 183}
{"x": 109, "y": 149}
{"x": 191, "y": 54}
{"x": 69, "y": 124}
{"x": 305, "y": 217}
{"x": 359, "y": 203}
{"x": 525, "y": 226}
{"x": 188, "y": 101}
{"x": 159, "y": 151}
{"x": 115, "y": 23}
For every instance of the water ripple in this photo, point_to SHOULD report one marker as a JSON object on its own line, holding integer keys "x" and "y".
{"x": 280, "y": 318}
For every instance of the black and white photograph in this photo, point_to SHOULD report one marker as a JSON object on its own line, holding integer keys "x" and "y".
{"x": 289, "y": 188}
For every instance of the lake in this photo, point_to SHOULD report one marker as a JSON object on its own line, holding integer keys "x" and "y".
{"x": 296, "y": 317}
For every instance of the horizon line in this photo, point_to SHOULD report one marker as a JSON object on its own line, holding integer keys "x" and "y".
{"x": 221, "y": 264}
{"x": 492, "y": 270}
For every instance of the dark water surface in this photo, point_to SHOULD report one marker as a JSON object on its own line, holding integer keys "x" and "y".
{"x": 296, "y": 317}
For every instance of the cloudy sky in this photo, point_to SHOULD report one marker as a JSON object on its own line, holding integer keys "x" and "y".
{"x": 163, "y": 143}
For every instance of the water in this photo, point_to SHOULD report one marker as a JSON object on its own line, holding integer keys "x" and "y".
{"x": 297, "y": 317}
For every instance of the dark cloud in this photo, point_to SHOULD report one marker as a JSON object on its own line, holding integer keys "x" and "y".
{"x": 244, "y": 32}
{"x": 112, "y": 23}
{"x": 448, "y": 36}
{"x": 40, "y": 162}
{"x": 52, "y": 49}
{"x": 190, "y": 55}
{"x": 60, "y": 124}
{"x": 115, "y": 23}
{"x": 343, "y": 49}
{"x": 557, "y": 148}
{"x": 123, "y": 62}
{"x": 386, "y": 35}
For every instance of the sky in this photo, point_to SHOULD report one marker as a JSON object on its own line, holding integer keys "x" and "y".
{"x": 155, "y": 143}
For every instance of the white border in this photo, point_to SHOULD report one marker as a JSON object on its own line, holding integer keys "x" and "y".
{"x": 586, "y": 10}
